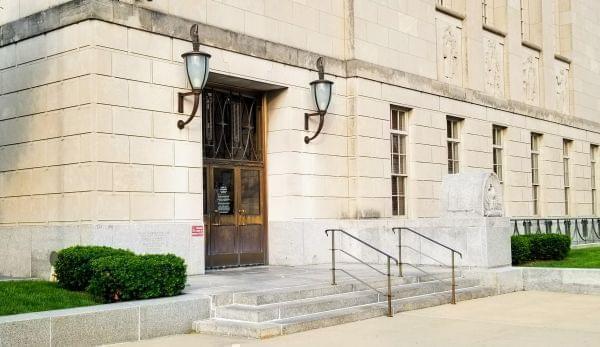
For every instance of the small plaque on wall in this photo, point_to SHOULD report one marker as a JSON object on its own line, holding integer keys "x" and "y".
{"x": 197, "y": 231}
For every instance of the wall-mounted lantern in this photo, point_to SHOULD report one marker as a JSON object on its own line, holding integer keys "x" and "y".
{"x": 197, "y": 68}
{"x": 321, "y": 91}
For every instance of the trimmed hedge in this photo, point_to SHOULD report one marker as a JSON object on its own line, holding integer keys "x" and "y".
{"x": 520, "y": 249}
{"x": 73, "y": 265}
{"x": 527, "y": 248}
{"x": 123, "y": 278}
{"x": 550, "y": 246}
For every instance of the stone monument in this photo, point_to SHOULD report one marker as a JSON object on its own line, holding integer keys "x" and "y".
{"x": 473, "y": 212}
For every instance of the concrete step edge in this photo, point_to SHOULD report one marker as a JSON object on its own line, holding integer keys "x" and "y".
{"x": 291, "y": 309}
{"x": 228, "y": 327}
{"x": 250, "y": 298}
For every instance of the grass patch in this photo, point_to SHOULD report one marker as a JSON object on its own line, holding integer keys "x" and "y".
{"x": 582, "y": 258}
{"x": 35, "y": 296}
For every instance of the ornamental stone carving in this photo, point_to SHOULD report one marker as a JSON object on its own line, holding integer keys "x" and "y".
{"x": 494, "y": 67}
{"x": 562, "y": 96}
{"x": 450, "y": 52}
{"x": 472, "y": 194}
{"x": 492, "y": 197}
{"x": 530, "y": 79}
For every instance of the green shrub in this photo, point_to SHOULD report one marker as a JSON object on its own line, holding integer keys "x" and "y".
{"x": 526, "y": 248}
{"x": 73, "y": 264}
{"x": 549, "y": 246}
{"x": 520, "y": 249}
{"x": 122, "y": 278}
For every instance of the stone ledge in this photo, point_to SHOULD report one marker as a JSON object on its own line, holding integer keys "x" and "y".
{"x": 103, "y": 324}
{"x": 137, "y": 17}
{"x": 576, "y": 281}
{"x": 511, "y": 279}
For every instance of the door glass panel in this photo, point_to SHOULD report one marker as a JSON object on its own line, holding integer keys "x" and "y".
{"x": 224, "y": 191}
{"x": 250, "y": 191}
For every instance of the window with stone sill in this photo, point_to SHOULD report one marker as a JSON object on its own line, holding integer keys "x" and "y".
{"x": 535, "y": 174}
{"x": 457, "y": 6}
{"x": 593, "y": 184}
{"x": 566, "y": 175}
{"x": 563, "y": 27}
{"x": 531, "y": 21}
{"x": 497, "y": 148}
{"x": 398, "y": 140}
{"x": 494, "y": 13}
{"x": 453, "y": 143}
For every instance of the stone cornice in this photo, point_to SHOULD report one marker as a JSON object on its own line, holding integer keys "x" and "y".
{"x": 137, "y": 17}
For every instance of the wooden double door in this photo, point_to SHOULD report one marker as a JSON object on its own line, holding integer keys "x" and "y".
{"x": 234, "y": 215}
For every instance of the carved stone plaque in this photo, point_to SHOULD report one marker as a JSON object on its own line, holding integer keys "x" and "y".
{"x": 561, "y": 87}
{"x": 494, "y": 66}
{"x": 530, "y": 73}
{"x": 449, "y": 50}
{"x": 476, "y": 193}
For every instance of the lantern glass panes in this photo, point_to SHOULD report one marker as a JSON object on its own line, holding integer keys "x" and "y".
{"x": 322, "y": 90}
{"x": 197, "y": 66}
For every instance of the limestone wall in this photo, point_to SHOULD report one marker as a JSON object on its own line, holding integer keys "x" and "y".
{"x": 88, "y": 132}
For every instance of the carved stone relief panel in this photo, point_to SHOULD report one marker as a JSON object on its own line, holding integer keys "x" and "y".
{"x": 561, "y": 87}
{"x": 449, "y": 50}
{"x": 493, "y": 50}
{"x": 492, "y": 197}
{"x": 531, "y": 82}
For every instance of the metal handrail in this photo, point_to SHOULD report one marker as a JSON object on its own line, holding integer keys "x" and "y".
{"x": 452, "y": 252}
{"x": 363, "y": 242}
{"x": 427, "y": 238}
{"x": 389, "y": 260}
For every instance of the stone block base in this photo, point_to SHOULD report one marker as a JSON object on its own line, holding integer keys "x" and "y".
{"x": 26, "y": 249}
{"x": 483, "y": 241}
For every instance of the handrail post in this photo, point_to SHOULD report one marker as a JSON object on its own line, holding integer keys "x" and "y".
{"x": 389, "y": 289}
{"x": 453, "y": 281}
{"x": 333, "y": 257}
{"x": 400, "y": 252}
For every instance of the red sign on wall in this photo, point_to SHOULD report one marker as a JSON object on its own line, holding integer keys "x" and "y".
{"x": 197, "y": 230}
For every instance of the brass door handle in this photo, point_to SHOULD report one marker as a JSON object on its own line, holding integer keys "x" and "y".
{"x": 242, "y": 217}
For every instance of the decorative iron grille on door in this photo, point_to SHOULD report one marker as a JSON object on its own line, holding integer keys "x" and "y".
{"x": 231, "y": 126}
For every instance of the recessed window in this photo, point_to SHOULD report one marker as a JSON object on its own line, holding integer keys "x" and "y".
{"x": 497, "y": 147}
{"x": 566, "y": 174}
{"x": 531, "y": 21}
{"x": 593, "y": 159}
{"x": 398, "y": 139}
{"x": 457, "y": 6}
{"x": 494, "y": 13}
{"x": 535, "y": 173}
{"x": 453, "y": 142}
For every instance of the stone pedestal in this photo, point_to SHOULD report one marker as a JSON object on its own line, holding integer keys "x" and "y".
{"x": 473, "y": 208}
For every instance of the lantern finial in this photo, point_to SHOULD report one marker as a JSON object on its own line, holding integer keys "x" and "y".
{"x": 321, "y": 68}
{"x": 195, "y": 37}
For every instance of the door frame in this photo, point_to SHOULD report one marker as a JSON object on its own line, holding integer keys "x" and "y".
{"x": 233, "y": 164}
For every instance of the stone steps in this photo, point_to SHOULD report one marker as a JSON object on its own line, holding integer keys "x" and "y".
{"x": 276, "y": 327}
{"x": 288, "y": 309}
{"x": 271, "y": 296}
{"x": 261, "y": 314}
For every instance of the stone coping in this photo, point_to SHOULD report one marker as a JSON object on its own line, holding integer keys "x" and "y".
{"x": 134, "y": 16}
{"x": 563, "y": 280}
{"x": 105, "y": 324}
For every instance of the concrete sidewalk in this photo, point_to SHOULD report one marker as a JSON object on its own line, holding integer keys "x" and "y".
{"x": 517, "y": 319}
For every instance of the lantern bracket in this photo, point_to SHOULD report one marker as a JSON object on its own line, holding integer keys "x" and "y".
{"x": 307, "y": 116}
{"x": 181, "y": 124}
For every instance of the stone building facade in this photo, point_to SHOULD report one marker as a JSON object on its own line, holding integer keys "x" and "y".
{"x": 90, "y": 152}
